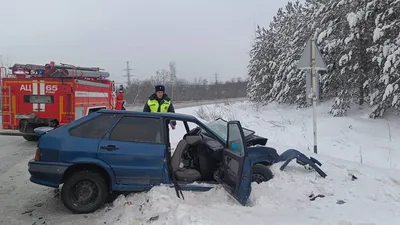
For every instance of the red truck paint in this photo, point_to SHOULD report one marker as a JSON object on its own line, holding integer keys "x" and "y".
{"x": 46, "y": 100}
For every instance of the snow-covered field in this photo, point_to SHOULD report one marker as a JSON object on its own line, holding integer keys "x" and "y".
{"x": 353, "y": 145}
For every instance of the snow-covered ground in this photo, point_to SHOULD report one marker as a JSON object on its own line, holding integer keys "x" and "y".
{"x": 353, "y": 145}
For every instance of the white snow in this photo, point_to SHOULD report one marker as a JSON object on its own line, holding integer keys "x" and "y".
{"x": 378, "y": 33}
{"x": 352, "y": 145}
{"x": 352, "y": 19}
{"x": 388, "y": 91}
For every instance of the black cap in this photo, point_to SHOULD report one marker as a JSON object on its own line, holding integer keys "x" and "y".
{"x": 160, "y": 88}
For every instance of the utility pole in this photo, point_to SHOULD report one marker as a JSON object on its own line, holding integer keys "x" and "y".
{"x": 216, "y": 85}
{"x": 216, "y": 78}
{"x": 172, "y": 71}
{"x": 128, "y": 74}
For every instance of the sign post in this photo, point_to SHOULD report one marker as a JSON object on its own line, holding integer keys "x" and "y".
{"x": 311, "y": 59}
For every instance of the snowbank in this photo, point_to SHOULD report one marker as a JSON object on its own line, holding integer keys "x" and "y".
{"x": 354, "y": 138}
{"x": 371, "y": 197}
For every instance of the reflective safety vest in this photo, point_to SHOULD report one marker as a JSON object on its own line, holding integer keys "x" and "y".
{"x": 154, "y": 106}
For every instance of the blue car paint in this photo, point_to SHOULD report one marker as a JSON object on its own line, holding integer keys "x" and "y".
{"x": 262, "y": 154}
{"x": 196, "y": 186}
{"x": 245, "y": 187}
{"x": 301, "y": 159}
{"x": 42, "y": 130}
{"x": 143, "y": 166}
{"x": 128, "y": 177}
{"x": 47, "y": 173}
{"x": 49, "y": 155}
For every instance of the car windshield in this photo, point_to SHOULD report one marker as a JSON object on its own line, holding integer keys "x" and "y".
{"x": 220, "y": 127}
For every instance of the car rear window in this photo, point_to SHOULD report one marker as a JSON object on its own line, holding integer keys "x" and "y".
{"x": 137, "y": 129}
{"x": 94, "y": 128}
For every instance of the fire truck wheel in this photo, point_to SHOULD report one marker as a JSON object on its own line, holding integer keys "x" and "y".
{"x": 31, "y": 138}
{"x": 84, "y": 192}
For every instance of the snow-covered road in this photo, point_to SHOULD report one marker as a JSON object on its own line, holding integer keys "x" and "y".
{"x": 22, "y": 202}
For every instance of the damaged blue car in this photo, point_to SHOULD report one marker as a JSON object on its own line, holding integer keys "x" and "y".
{"x": 112, "y": 151}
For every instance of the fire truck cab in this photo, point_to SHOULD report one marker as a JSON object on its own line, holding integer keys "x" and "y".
{"x": 52, "y": 95}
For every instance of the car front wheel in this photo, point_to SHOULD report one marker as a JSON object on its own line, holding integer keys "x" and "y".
{"x": 261, "y": 173}
{"x": 84, "y": 192}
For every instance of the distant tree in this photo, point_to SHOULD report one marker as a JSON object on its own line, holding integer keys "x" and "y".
{"x": 182, "y": 90}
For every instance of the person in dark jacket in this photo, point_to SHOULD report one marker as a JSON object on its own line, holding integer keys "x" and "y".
{"x": 160, "y": 102}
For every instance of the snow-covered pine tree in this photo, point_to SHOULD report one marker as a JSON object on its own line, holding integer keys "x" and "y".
{"x": 285, "y": 33}
{"x": 385, "y": 91}
{"x": 263, "y": 61}
{"x": 274, "y": 39}
{"x": 255, "y": 89}
{"x": 295, "y": 31}
{"x": 330, "y": 29}
{"x": 360, "y": 43}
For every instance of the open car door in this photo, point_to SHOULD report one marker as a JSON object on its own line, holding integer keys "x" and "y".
{"x": 236, "y": 169}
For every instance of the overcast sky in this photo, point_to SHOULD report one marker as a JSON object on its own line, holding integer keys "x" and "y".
{"x": 203, "y": 37}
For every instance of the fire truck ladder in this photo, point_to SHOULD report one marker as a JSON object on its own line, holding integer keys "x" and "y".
{"x": 6, "y": 106}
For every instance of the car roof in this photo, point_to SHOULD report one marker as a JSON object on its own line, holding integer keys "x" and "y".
{"x": 177, "y": 116}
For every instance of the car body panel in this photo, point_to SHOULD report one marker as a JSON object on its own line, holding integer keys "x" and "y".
{"x": 236, "y": 173}
{"x": 262, "y": 154}
{"x": 135, "y": 163}
{"x": 134, "y": 166}
{"x": 42, "y": 130}
{"x": 47, "y": 174}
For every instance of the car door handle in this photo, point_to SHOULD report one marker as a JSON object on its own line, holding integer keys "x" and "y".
{"x": 109, "y": 147}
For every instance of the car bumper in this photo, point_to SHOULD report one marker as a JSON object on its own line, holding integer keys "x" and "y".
{"x": 45, "y": 173}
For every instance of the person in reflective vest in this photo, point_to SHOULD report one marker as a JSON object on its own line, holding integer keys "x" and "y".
{"x": 160, "y": 102}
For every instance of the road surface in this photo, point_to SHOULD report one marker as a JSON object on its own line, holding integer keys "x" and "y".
{"x": 25, "y": 203}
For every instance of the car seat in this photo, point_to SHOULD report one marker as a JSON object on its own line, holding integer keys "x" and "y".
{"x": 184, "y": 174}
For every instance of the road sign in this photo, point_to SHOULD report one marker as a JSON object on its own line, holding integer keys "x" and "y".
{"x": 311, "y": 59}
{"x": 305, "y": 61}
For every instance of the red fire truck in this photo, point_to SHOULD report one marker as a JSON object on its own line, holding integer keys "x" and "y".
{"x": 52, "y": 95}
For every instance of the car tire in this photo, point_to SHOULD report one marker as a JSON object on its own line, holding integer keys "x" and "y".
{"x": 261, "y": 173}
{"x": 87, "y": 185}
{"x": 31, "y": 138}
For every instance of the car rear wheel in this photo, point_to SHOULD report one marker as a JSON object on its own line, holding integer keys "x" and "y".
{"x": 31, "y": 137}
{"x": 261, "y": 173}
{"x": 84, "y": 192}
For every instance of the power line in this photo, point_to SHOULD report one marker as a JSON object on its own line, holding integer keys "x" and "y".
{"x": 128, "y": 74}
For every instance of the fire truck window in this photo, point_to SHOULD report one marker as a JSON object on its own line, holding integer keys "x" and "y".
{"x": 137, "y": 129}
{"x": 43, "y": 99}
{"x": 94, "y": 128}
